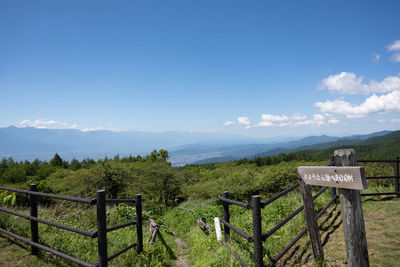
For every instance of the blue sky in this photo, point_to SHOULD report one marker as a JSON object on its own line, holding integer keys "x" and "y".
{"x": 257, "y": 68}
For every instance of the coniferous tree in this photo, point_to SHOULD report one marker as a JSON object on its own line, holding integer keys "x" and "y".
{"x": 56, "y": 161}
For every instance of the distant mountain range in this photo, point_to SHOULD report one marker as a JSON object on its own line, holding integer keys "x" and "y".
{"x": 184, "y": 147}
{"x": 307, "y": 143}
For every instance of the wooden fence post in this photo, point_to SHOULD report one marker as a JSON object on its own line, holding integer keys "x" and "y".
{"x": 352, "y": 215}
{"x": 226, "y": 216}
{"x": 311, "y": 220}
{"x": 34, "y": 213}
{"x": 333, "y": 189}
{"x": 139, "y": 223}
{"x": 101, "y": 228}
{"x": 396, "y": 173}
{"x": 257, "y": 232}
{"x": 153, "y": 228}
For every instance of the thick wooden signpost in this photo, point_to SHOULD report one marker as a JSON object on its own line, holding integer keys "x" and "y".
{"x": 350, "y": 179}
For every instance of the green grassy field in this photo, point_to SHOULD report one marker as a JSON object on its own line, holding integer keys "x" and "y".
{"x": 382, "y": 223}
{"x": 181, "y": 241}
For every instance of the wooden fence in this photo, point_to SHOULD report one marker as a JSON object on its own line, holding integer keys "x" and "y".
{"x": 395, "y": 176}
{"x": 102, "y": 229}
{"x": 257, "y": 205}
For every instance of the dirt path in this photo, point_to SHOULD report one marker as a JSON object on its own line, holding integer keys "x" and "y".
{"x": 183, "y": 248}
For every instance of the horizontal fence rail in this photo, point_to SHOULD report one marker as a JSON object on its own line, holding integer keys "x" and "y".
{"x": 113, "y": 228}
{"x": 280, "y": 194}
{"x": 297, "y": 238}
{"x": 234, "y": 202}
{"x": 58, "y": 225}
{"x": 378, "y": 160}
{"x": 122, "y": 251}
{"x": 101, "y": 233}
{"x": 263, "y": 237}
{"x": 238, "y": 231}
{"x": 40, "y": 194}
{"x": 255, "y": 238}
{"x": 395, "y": 176}
{"x": 47, "y": 249}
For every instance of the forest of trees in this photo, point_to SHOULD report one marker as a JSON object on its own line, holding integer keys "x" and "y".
{"x": 163, "y": 185}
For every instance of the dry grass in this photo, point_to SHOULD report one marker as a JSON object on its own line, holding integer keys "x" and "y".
{"x": 382, "y": 223}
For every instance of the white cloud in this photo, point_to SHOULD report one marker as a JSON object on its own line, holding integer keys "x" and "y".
{"x": 53, "y": 124}
{"x": 39, "y": 123}
{"x": 304, "y": 123}
{"x": 265, "y": 124}
{"x": 395, "y": 57}
{"x": 270, "y": 117}
{"x": 294, "y": 120}
{"x": 318, "y": 117}
{"x": 333, "y": 121}
{"x": 397, "y": 120}
{"x": 394, "y": 46}
{"x": 298, "y": 117}
{"x": 372, "y": 105}
{"x": 349, "y": 83}
{"x": 376, "y": 58}
{"x": 228, "y": 123}
{"x": 243, "y": 120}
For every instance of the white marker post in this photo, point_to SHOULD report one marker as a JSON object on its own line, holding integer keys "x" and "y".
{"x": 218, "y": 228}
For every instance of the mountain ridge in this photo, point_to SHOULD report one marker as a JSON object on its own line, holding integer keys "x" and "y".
{"x": 29, "y": 143}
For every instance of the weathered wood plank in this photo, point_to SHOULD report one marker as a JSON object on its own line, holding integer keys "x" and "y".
{"x": 153, "y": 227}
{"x": 203, "y": 225}
{"x": 352, "y": 215}
{"x": 340, "y": 177}
{"x": 312, "y": 225}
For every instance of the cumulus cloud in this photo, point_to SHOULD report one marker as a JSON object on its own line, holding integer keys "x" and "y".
{"x": 39, "y": 123}
{"x": 271, "y": 118}
{"x": 294, "y": 120}
{"x": 265, "y": 124}
{"x": 349, "y": 83}
{"x": 243, "y": 120}
{"x": 394, "y": 46}
{"x": 53, "y": 124}
{"x": 372, "y": 105}
{"x": 395, "y": 57}
{"x": 228, "y": 123}
{"x": 298, "y": 117}
{"x": 333, "y": 121}
{"x": 318, "y": 117}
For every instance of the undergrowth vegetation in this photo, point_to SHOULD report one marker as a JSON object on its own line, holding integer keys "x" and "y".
{"x": 163, "y": 187}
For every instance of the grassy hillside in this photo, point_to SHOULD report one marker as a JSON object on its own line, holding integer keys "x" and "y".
{"x": 163, "y": 187}
{"x": 380, "y": 147}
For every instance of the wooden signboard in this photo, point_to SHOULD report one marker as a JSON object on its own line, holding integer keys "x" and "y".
{"x": 349, "y": 177}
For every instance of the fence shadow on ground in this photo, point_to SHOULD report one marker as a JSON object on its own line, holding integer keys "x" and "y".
{"x": 301, "y": 254}
{"x": 168, "y": 248}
